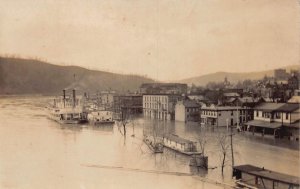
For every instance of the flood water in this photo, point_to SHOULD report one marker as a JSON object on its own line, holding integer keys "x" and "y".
{"x": 36, "y": 152}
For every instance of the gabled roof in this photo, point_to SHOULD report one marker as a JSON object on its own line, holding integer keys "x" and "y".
{"x": 268, "y": 107}
{"x": 278, "y": 107}
{"x": 288, "y": 107}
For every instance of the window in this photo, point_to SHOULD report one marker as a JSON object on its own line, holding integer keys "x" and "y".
{"x": 286, "y": 116}
{"x": 220, "y": 114}
{"x": 232, "y": 113}
{"x": 256, "y": 113}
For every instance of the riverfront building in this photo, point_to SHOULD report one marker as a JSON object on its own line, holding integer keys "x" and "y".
{"x": 129, "y": 103}
{"x": 160, "y": 106}
{"x": 278, "y": 119}
{"x": 187, "y": 110}
{"x": 224, "y": 115}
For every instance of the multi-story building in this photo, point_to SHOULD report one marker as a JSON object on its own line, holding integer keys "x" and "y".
{"x": 277, "y": 119}
{"x": 293, "y": 83}
{"x": 187, "y": 110}
{"x": 107, "y": 97}
{"x": 163, "y": 88}
{"x": 160, "y": 106}
{"x": 129, "y": 103}
{"x": 224, "y": 115}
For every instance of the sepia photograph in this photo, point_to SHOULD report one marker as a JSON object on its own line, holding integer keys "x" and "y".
{"x": 149, "y": 94}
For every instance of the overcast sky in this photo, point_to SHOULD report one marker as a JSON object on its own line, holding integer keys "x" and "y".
{"x": 164, "y": 39}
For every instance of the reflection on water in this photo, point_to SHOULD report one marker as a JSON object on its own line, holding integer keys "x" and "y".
{"x": 38, "y": 153}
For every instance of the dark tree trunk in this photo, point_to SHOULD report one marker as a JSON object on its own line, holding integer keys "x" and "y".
{"x": 223, "y": 162}
{"x": 124, "y": 129}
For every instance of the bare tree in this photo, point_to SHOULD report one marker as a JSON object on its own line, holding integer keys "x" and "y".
{"x": 202, "y": 140}
{"x": 225, "y": 146}
{"x": 125, "y": 120}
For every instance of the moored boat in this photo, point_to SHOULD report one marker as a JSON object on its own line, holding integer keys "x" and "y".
{"x": 180, "y": 145}
{"x": 101, "y": 117}
{"x": 68, "y": 109}
{"x": 154, "y": 145}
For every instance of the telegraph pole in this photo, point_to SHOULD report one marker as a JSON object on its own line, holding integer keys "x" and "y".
{"x": 231, "y": 145}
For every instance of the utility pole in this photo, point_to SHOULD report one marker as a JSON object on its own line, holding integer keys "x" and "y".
{"x": 231, "y": 145}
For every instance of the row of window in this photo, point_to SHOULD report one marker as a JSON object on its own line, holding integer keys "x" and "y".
{"x": 156, "y": 98}
{"x": 192, "y": 110}
{"x": 210, "y": 113}
{"x": 155, "y": 105}
{"x": 276, "y": 115}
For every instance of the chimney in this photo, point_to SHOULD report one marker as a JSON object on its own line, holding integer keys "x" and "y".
{"x": 74, "y": 98}
{"x": 64, "y": 97}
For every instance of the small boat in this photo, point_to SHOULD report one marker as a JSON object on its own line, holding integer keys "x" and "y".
{"x": 152, "y": 140}
{"x": 154, "y": 145}
{"x": 180, "y": 145}
{"x": 101, "y": 117}
{"x": 68, "y": 109}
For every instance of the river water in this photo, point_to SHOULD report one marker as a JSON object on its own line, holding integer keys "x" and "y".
{"x": 36, "y": 152}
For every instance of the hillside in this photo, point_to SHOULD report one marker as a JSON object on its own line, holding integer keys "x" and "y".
{"x": 232, "y": 77}
{"x": 23, "y": 76}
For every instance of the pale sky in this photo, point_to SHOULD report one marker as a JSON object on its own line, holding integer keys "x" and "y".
{"x": 164, "y": 39}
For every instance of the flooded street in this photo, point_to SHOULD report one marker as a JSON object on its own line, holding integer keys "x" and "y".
{"x": 36, "y": 152}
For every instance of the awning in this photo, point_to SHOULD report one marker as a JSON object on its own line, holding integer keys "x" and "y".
{"x": 293, "y": 125}
{"x": 264, "y": 124}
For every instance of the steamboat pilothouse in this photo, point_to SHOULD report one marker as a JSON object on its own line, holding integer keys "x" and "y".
{"x": 68, "y": 109}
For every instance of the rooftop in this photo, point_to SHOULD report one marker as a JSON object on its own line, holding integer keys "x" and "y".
{"x": 268, "y": 106}
{"x": 190, "y": 104}
{"x": 281, "y": 107}
{"x": 289, "y": 107}
{"x": 231, "y": 94}
{"x": 268, "y": 174}
{"x": 177, "y": 139}
{"x": 264, "y": 124}
{"x": 295, "y": 125}
{"x": 219, "y": 108}
{"x": 248, "y": 99}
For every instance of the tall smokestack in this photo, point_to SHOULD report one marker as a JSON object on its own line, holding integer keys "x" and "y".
{"x": 74, "y": 98}
{"x": 64, "y": 97}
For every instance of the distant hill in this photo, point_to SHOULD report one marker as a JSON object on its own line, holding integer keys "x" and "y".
{"x": 24, "y": 76}
{"x": 232, "y": 77}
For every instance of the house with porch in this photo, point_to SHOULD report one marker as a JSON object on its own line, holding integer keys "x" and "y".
{"x": 277, "y": 119}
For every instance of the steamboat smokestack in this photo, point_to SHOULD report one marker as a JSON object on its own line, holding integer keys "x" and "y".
{"x": 64, "y": 97}
{"x": 74, "y": 98}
